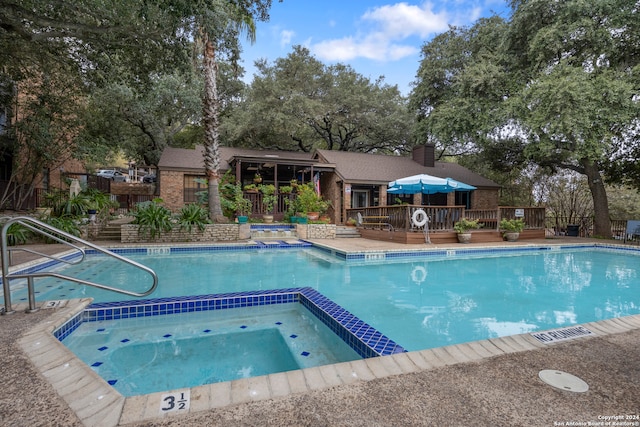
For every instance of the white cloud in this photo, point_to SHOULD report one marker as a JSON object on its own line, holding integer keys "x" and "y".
{"x": 285, "y": 37}
{"x": 384, "y": 30}
{"x": 403, "y": 20}
{"x": 373, "y": 46}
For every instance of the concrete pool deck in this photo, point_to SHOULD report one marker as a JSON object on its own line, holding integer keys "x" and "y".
{"x": 493, "y": 382}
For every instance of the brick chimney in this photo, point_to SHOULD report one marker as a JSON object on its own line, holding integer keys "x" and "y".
{"x": 424, "y": 154}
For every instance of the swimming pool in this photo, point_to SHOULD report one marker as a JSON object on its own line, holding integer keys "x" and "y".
{"x": 421, "y": 299}
{"x": 141, "y": 355}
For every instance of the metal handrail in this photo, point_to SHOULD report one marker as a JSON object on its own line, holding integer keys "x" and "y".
{"x": 59, "y": 236}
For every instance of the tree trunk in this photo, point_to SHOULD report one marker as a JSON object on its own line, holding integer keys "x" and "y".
{"x": 601, "y": 222}
{"x": 211, "y": 134}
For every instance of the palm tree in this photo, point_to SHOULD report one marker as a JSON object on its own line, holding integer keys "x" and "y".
{"x": 238, "y": 17}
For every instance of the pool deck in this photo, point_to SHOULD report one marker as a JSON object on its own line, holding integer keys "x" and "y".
{"x": 486, "y": 383}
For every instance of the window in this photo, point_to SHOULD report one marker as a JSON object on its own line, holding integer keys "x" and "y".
{"x": 359, "y": 198}
{"x": 463, "y": 198}
{"x": 193, "y": 184}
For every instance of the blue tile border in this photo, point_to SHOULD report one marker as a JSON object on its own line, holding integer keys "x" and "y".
{"x": 360, "y": 336}
{"x": 381, "y": 256}
{"x": 43, "y": 265}
{"x": 271, "y": 227}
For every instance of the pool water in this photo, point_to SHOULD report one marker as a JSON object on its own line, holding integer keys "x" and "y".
{"x": 419, "y": 302}
{"x": 145, "y": 355}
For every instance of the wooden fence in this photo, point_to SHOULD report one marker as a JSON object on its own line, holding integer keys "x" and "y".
{"x": 443, "y": 218}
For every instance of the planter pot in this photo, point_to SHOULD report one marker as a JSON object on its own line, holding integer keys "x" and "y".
{"x": 267, "y": 218}
{"x": 43, "y": 212}
{"x": 294, "y": 219}
{"x": 242, "y": 219}
{"x": 92, "y": 215}
{"x": 313, "y": 216}
{"x": 511, "y": 236}
{"x": 464, "y": 237}
{"x": 302, "y": 220}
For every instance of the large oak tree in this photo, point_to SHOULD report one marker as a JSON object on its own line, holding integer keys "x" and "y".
{"x": 299, "y": 103}
{"x": 557, "y": 85}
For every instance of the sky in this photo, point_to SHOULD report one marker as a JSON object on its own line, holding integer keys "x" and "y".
{"x": 376, "y": 38}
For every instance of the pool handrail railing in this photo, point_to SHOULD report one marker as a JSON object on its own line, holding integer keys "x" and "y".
{"x": 63, "y": 237}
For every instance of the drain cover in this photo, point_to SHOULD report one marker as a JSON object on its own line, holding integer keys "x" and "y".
{"x": 563, "y": 381}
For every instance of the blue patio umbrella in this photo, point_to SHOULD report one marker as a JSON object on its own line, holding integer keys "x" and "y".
{"x": 426, "y": 184}
{"x": 460, "y": 186}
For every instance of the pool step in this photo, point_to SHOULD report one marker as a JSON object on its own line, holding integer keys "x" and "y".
{"x": 273, "y": 231}
{"x": 346, "y": 232}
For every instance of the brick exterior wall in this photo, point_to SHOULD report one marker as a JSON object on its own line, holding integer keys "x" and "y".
{"x": 172, "y": 189}
{"x": 331, "y": 191}
{"x": 485, "y": 199}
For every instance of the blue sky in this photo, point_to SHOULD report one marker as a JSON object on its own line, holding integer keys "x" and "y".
{"x": 376, "y": 38}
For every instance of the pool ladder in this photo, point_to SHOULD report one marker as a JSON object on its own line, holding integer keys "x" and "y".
{"x": 59, "y": 236}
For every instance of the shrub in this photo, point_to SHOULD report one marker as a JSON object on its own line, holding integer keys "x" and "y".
{"x": 17, "y": 234}
{"x": 309, "y": 201}
{"x": 65, "y": 223}
{"x": 193, "y": 215}
{"x": 62, "y": 204}
{"x": 152, "y": 218}
{"x": 512, "y": 225}
{"x": 464, "y": 225}
{"x": 268, "y": 197}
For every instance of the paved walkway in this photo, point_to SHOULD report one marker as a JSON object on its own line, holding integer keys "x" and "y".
{"x": 502, "y": 390}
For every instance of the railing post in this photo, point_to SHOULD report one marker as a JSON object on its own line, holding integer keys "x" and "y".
{"x": 32, "y": 295}
{"x": 5, "y": 271}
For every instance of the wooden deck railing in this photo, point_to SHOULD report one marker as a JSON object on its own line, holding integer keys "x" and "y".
{"x": 443, "y": 218}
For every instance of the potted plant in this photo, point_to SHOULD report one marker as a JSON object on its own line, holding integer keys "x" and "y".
{"x": 285, "y": 189}
{"x": 463, "y": 228}
{"x": 309, "y": 202}
{"x": 243, "y": 207}
{"x": 235, "y": 204}
{"x": 511, "y": 229}
{"x": 251, "y": 188}
{"x": 268, "y": 201}
{"x": 351, "y": 222}
{"x": 257, "y": 178}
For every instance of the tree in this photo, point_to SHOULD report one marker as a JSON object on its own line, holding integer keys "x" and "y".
{"x": 218, "y": 24}
{"x": 459, "y": 91}
{"x": 41, "y": 138}
{"x": 141, "y": 122}
{"x": 554, "y": 86}
{"x": 298, "y": 103}
{"x": 53, "y": 54}
{"x": 576, "y": 102}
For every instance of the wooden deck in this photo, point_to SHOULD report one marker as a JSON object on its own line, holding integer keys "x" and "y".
{"x": 417, "y": 237}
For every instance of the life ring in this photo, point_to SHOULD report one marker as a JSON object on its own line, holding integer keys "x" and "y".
{"x": 419, "y": 218}
{"x": 418, "y": 274}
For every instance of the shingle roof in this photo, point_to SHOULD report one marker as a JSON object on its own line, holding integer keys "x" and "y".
{"x": 352, "y": 167}
{"x": 193, "y": 159}
{"x": 381, "y": 169}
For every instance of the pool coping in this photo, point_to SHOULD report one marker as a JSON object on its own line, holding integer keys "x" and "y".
{"x": 95, "y": 402}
